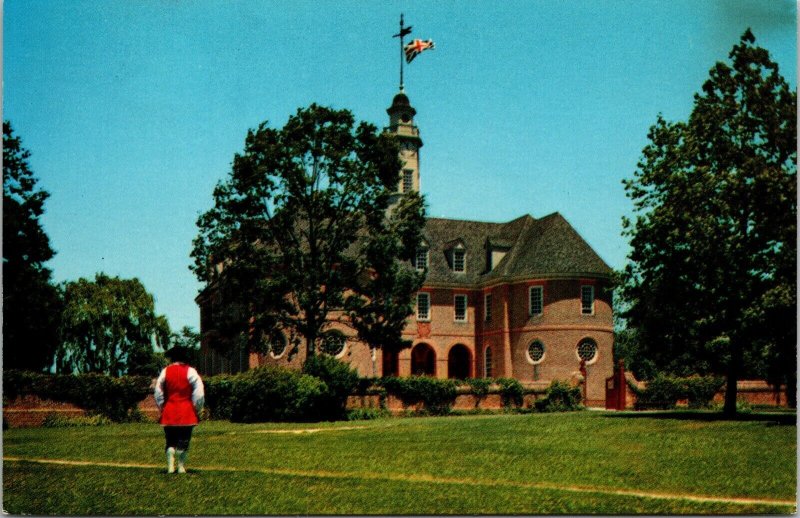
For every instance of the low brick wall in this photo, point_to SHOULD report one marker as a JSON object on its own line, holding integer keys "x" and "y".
{"x": 753, "y": 392}
{"x": 31, "y": 411}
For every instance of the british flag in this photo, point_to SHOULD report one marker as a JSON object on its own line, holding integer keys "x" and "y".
{"x": 415, "y": 47}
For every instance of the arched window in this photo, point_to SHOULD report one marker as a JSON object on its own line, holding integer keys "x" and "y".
{"x": 487, "y": 363}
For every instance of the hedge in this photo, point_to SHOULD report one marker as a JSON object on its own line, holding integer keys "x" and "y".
{"x": 560, "y": 397}
{"x": 114, "y": 398}
{"x": 663, "y": 392}
{"x": 436, "y": 395}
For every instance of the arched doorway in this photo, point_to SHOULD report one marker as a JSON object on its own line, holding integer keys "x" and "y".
{"x": 458, "y": 362}
{"x": 423, "y": 360}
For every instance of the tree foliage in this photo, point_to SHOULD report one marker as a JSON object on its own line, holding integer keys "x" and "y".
{"x": 299, "y": 237}
{"x": 31, "y": 303}
{"x": 110, "y": 327}
{"x": 711, "y": 279}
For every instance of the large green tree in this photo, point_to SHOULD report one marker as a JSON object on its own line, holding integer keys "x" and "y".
{"x": 711, "y": 280}
{"x": 110, "y": 326}
{"x": 300, "y": 236}
{"x": 31, "y": 303}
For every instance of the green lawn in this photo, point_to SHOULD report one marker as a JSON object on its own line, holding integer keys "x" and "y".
{"x": 578, "y": 463}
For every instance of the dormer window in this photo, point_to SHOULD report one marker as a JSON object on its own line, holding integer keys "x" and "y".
{"x": 421, "y": 259}
{"x": 459, "y": 260}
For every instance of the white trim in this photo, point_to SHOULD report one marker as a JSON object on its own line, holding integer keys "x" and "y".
{"x": 285, "y": 346}
{"x": 460, "y": 249}
{"x": 528, "y": 352}
{"x": 427, "y": 258}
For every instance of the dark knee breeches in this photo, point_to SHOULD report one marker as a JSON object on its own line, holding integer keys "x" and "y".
{"x": 178, "y": 437}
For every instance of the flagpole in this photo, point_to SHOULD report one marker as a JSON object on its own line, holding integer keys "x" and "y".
{"x": 402, "y": 36}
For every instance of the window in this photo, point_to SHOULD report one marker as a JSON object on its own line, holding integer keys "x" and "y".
{"x": 535, "y": 352}
{"x": 408, "y": 180}
{"x": 460, "y": 304}
{"x": 487, "y": 307}
{"x": 277, "y": 345}
{"x": 333, "y": 343}
{"x": 423, "y": 306}
{"x": 536, "y": 295}
{"x": 459, "y": 265}
{"x": 587, "y": 350}
{"x": 587, "y": 300}
{"x": 421, "y": 260}
{"x": 487, "y": 363}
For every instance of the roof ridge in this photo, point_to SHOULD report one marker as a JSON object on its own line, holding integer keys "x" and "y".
{"x": 513, "y": 254}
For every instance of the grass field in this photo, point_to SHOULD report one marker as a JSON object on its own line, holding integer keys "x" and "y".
{"x": 577, "y": 463}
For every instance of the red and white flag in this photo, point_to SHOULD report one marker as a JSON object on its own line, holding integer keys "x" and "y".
{"x": 415, "y": 47}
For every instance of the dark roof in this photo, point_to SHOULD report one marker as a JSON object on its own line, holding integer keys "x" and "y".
{"x": 544, "y": 247}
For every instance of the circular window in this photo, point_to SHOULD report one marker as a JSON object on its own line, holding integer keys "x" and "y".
{"x": 277, "y": 345}
{"x": 587, "y": 350}
{"x": 333, "y": 343}
{"x": 535, "y": 351}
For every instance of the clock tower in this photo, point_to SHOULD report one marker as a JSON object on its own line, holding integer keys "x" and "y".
{"x": 401, "y": 124}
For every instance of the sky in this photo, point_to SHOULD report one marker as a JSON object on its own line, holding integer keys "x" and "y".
{"x": 133, "y": 109}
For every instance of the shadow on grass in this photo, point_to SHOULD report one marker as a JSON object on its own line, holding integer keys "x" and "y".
{"x": 770, "y": 419}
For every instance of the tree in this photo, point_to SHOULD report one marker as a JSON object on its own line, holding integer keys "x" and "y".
{"x": 109, "y": 326}
{"x": 714, "y": 237}
{"x": 31, "y": 303}
{"x": 303, "y": 237}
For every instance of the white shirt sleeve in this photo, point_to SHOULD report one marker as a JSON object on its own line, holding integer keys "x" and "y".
{"x": 159, "y": 391}
{"x": 198, "y": 391}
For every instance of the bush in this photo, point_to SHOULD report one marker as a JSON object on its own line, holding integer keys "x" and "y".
{"x": 663, "y": 392}
{"x": 340, "y": 380}
{"x": 115, "y": 398}
{"x": 363, "y": 414}
{"x": 219, "y": 396}
{"x": 560, "y": 397}
{"x": 60, "y": 421}
{"x": 437, "y": 396}
{"x": 700, "y": 390}
{"x": 276, "y": 394}
{"x": 511, "y": 392}
{"x": 480, "y": 388}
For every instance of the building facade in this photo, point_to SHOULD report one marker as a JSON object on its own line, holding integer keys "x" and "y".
{"x": 527, "y": 299}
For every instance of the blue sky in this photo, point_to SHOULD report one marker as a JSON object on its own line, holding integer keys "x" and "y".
{"x": 133, "y": 110}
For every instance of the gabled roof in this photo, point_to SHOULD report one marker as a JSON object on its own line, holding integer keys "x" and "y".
{"x": 543, "y": 247}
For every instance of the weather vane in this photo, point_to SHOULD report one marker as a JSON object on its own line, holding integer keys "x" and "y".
{"x": 412, "y": 49}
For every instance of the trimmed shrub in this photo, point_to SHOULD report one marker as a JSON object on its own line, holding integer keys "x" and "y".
{"x": 364, "y": 414}
{"x": 480, "y": 388}
{"x": 340, "y": 381}
{"x": 511, "y": 392}
{"x": 115, "y": 398}
{"x": 275, "y": 394}
{"x": 437, "y": 396}
{"x": 700, "y": 390}
{"x": 59, "y": 421}
{"x": 560, "y": 397}
{"x": 219, "y": 396}
{"x": 663, "y": 392}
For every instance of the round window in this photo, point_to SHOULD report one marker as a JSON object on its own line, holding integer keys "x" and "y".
{"x": 535, "y": 351}
{"x": 587, "y": 350}
{"x": 333, "y": 343}
{"x": 277, "y": 345}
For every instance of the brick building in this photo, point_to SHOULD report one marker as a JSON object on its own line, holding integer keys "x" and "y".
{"x": 527, "y": 299}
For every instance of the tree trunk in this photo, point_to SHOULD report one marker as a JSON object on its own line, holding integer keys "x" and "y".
{"x": 733, "y": 377}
